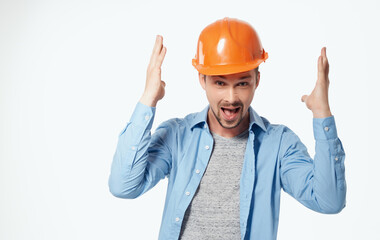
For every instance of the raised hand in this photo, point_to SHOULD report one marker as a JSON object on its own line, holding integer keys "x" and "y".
{"x": 154, "y": 86}
{"x": 318, "y": 101}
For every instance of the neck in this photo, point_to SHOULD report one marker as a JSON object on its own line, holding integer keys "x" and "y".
{"x": 226, "y": 132}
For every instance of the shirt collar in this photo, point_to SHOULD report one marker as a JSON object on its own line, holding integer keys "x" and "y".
{"x": 200, "y": 119}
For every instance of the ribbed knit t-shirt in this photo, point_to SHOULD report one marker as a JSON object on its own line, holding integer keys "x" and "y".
{"x": 214, "y": 210}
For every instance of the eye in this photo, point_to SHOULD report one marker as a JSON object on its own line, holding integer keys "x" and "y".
{"x": 219, "y": 83}
{"x": 243, "y": 84}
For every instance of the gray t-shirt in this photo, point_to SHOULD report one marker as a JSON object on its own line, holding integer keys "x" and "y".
{"x": 214, "y": 211}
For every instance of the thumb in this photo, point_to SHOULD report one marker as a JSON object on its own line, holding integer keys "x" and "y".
{"x": 304, "y": 98}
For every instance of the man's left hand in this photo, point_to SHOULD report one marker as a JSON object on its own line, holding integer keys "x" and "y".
{"x": 318, "y": 101}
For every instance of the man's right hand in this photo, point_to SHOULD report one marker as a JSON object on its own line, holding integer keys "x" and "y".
{"x": 154, "y": 86}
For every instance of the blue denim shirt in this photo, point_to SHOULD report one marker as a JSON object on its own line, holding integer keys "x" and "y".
{"x": 275, "y": 158}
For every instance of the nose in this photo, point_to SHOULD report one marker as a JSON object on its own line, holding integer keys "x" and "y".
{"x": 231, "y": 95}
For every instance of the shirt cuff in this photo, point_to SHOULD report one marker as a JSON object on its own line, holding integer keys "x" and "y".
{"x": 143, "y": 116}
{"x": 324, "y": 128}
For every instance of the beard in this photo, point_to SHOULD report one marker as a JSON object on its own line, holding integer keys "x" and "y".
{"x": 229, "y": 124}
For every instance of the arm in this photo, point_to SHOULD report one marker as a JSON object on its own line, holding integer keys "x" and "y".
{"x": 319, "y": 184}
{"x": 141, "y": 160}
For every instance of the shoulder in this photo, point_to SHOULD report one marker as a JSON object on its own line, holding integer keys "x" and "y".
{"x": 281, "y": 135}
{"x": 180, "y": 123}
{"x": 274, "y": 128}
{"x": 280, "y": 132}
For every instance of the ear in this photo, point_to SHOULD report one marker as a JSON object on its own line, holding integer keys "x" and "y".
{"x": 202, "y": 80}
{"x": 258, "y": 79}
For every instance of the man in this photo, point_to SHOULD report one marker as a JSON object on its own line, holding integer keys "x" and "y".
{"x": 226, "y": 165}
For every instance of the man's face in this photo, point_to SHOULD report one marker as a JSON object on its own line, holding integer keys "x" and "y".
{"x": 230, "y": 96}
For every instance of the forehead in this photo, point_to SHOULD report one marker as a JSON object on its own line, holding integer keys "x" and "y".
{"x": 234, "y": 76}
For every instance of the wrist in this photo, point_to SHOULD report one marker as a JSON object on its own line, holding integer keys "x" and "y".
{"x": 149, "y": 101}
{"x": 322, "y": 114}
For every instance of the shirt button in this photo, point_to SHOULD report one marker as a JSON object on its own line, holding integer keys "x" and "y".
{"x": 207, "y": 147}
{"x": 205, "y": 126}
{"x": 336, "y": 158}
{"x": 326, "y": 129}
{"x": 187, "y": 193}
{"x": 133, "y": 148}
{"x": 177, "y": 219}
{"x": 197, "y": 171}
{"x": 147, "y": 117}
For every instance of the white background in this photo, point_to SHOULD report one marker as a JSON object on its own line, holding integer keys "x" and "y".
{"x": 71, "y": 73}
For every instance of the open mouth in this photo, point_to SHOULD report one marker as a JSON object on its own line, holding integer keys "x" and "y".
{"x": 230, "y": 113}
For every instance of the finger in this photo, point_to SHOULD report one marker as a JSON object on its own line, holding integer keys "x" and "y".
{"x": 156, "y": 49}
{"x": 325, "y": 62}
{"x": 323, "y": 52}
{"x": 323, "y": 65}
{"x": 320, "y": 67}
{"x": 161, "y": 57}
{"x": 303, "y": 98}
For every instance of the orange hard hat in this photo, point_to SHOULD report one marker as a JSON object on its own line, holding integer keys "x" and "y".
{"x": 228, "y": 46}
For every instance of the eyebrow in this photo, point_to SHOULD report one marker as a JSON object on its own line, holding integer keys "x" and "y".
{"x": 223, "y": 77}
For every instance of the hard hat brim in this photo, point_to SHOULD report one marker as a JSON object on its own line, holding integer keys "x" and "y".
{"x": 228, "y": 69}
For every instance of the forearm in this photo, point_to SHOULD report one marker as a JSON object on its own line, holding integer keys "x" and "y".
{"x": 329, "y": 184}
{"x": 130, "y": 159}
{"x": 148, "y": 100}
{"x": 317, "y": 183}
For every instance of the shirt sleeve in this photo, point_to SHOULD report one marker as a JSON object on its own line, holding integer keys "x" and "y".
{"x": 318, "y": 184}
{"x": 141, "y": 159}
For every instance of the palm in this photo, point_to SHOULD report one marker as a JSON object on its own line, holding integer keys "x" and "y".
{"x": 317, "y": 101}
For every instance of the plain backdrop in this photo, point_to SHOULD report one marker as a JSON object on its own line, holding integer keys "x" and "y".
{"x": 71, "y": 73}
